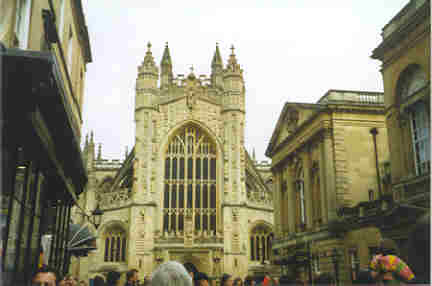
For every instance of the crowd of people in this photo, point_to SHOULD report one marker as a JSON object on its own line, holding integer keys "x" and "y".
{"x": 385, "y": 268}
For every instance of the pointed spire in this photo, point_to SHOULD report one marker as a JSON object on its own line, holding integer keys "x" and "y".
{"x": 127, "y": 152}
{"x": 86, "y": 142}
{"x": 217, "y": 59}
{"x": 99, "y": 155}
{"x": 166, "y": 58}
{"x": 91, "y": 137}
{"x": 253, "y": 154}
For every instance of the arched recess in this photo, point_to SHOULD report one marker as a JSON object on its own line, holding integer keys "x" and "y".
{"x": 204, "y": 130}
{"x": 113, "y": 241}
{"x": 411, "y": 80}
{"x": 260, "y": 241}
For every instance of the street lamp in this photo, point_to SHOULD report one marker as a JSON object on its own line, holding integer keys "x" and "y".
{"x": 335, "y": 260}
{"x": 96, "y": 217}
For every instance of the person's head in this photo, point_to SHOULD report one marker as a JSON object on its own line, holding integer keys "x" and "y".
{"x": 388, "y": 247}
{"x": 201, "y": 279}
{"x": 112, "y": 277}
{"x": 364, "y": 277}
{"x": 132, "y": 275}
{"x": 238, "y": 282}
{"x": 325, "y": 279}
{"x": 45, "y": 274}
{"x": 248, "y": 281}
{"x": 82, "y": 283}
{"x": 226, "y": 280}
{"x": 98, "y": 281}
{"x": 171, "y": 273}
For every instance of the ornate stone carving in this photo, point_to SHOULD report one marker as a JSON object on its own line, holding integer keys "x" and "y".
{"x": 291, "y": 119}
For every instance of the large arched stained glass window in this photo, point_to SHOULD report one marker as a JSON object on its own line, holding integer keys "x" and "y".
{"x": 190, "y": 181}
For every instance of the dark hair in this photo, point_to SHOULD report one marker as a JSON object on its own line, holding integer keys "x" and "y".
{"x": 130, "y": 274}
{"x": 224, "y": 279}
{"x": 98, "y": 281}
{"x": 46, "y": 269}
{"x": 237, "y": 279}
{"x": 112, "y": 277}
{"x": 190, "y": 268}
{"x": 364, "y": 277}
{"x": 248, "y": 281}
{"x": 325, "y": 278}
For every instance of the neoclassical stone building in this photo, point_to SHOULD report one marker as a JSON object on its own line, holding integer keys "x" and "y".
{"x": 188, "y": 191}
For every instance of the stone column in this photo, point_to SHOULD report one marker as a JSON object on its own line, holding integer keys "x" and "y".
{"x": 327, "y": 154}
{"x": 307, "y": 166}
{"x": 291, "y": 196}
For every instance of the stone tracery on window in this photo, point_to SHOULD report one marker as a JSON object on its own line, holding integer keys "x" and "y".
{"x": 115, "y": 245}
{"x": 190, "y": 187}
{"x": 260, "y": 243}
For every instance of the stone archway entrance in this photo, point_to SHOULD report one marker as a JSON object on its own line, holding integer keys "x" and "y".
{"x": 198, "y": 261}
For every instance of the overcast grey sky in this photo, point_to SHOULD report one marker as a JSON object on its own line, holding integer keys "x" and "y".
{"x": 290, "y": 50}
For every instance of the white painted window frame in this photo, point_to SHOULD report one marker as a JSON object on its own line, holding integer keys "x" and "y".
{"x": 61, "y": 19}
{"x": 22, "y": 22}
{"x": 420, "y": 133}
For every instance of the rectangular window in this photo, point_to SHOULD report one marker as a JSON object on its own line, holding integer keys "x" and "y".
{"x": 420, "y": 138}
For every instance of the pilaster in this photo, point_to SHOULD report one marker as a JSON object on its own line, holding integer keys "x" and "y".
{"x": 327, "y": 156}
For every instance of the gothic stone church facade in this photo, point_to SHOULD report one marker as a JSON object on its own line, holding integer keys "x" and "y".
{"x": 188, "y": 191}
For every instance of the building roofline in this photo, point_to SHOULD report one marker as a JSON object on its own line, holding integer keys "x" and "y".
{"x": 83, "y": 31}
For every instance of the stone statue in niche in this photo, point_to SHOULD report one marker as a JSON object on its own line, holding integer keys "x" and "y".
{"x": 291, "y": 120}
{"x": 191, "y": 99}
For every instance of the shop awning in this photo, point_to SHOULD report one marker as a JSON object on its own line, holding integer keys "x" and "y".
{"x": 81, "y": 240}
{"x": 32, "y": 87}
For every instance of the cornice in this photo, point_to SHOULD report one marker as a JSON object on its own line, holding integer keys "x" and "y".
{"x": 397, "y": 36}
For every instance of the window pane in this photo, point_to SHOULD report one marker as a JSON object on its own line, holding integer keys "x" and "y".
{"x": 198, "y": 168}
{"x": 181, "y": 196}
{"x": 198, "y": 197}
{"x": 174, "y": 168}
{"x": 205, "y": 222}
{"x": 181, "y": 222}
{"x": 213, "y": 169}
{"x": 118, "y": 249}
{"x": 189, "y": 196}
{"x": 189, "y": 168}
{"x": 252, "y": 248}
{"x": 167, "y": 168}
{"x": 205, "y": 197}
{"x": 165, "y": 222}
{"x": 205, "y": 168}
{"x": 213, "y": 197}
{"x": 173, "y": 196}
{"x": 264, "y": 250}
{"x": 182, "y": 168}
{"x": 173, "y": 222}
{"x": 124, "y": 249}
{"x": 166, "y": 196}
{"x": 112, "y": 244}
{"x": 257, "y": 252}
{"x": 106, "y": 248}
{"x": 213, "y": 222}
{"x": 197, "y": 222}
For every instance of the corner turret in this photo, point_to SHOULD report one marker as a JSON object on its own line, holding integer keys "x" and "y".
{"x": 148, "y": 71}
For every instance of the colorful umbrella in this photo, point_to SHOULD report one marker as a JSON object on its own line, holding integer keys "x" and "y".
{"x": 391, "y": 263}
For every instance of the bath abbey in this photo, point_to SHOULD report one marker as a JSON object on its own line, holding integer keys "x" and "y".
{"x": 188, "y": 190}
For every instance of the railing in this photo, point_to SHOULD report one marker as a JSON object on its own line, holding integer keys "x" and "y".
{"x": 340, "y": 96}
